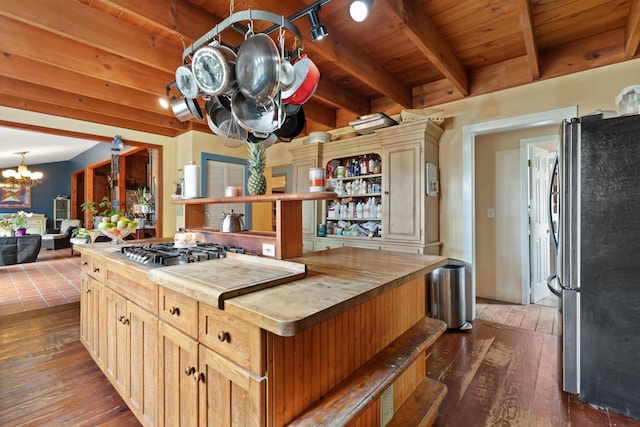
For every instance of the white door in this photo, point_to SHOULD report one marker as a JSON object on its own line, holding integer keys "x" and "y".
{"x": 539, "y": 245}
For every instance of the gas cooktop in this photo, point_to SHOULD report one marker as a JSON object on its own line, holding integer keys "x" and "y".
{"x": 164, "y": 254}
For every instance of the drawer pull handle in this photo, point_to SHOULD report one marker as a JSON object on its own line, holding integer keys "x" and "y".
{"x": 88, "y": 291}
{"x": 96, "y": 270}
{"x": 223, "y": 336}
{"x": 174, "y": 311}
{"x": 85, "y": 264}
{"x": 198, "y": 377}
{"x": 190, "y": 370}
{"x": 123, "y": 320}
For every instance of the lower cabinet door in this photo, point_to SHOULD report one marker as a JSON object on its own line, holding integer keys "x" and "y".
{"x": 142, "y": 393}
{"x": 229, "y": 394}
{"x": 91, "y": 316}
{"x": 179, "y": 378}
{"x": 116, "y": 339}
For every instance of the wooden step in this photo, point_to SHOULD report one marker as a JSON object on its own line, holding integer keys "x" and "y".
{"x": 349, "y": 398}
{"x": 421, "y": 408}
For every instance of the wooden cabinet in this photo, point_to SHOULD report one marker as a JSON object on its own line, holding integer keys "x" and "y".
{"x": 179, "y": 378}
{"x": 61, "y": 210}
{"x": 229, "y": 394}
{"x": 130, "y": 360}
{"x": 410, "y": 218}
{"x": 116, "y": 340}
{"x": 91, "y": 317}
{"x": 200, "y": 387}
{"x": 403, "y": 192}
{"x": 142, "y": 390}
{"x": 121, "y": 335}
{"x": 92, "y": 267}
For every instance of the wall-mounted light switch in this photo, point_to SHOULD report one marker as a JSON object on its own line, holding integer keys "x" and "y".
{"x": 491, "y": 212}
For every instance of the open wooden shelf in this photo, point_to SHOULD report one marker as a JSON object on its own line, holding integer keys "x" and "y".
{"x": 288, "y": 235}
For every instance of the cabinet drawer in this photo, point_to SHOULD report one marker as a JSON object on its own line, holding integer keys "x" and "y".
{"x": 231, "y": 337}
{"x": 133, "y": 285}
{"x": 93, "y": 267}
{"x": 179, "y": 311}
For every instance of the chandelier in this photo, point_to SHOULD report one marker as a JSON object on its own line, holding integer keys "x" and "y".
{"x": 22, "y": 177}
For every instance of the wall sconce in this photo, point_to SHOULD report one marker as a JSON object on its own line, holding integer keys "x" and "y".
{"x": 359, "y": 9}
{"x": 318, "y": 30}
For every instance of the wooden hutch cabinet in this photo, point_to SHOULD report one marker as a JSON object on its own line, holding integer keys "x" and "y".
{"x": 407, "y": 220}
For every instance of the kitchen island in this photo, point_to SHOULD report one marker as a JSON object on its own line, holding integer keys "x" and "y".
{"x": 272, "y": 356}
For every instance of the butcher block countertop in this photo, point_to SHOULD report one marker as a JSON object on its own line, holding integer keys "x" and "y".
{"x": 335, "y": 281}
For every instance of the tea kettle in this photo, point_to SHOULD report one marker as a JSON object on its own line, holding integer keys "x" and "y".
{"x": 231, "y": 222}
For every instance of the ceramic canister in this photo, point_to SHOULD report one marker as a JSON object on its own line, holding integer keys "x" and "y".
{"x": 317, "y": 181}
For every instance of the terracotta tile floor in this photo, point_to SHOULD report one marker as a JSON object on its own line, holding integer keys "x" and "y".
{"x": 53, "y": 279}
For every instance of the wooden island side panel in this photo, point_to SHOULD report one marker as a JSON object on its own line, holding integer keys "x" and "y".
{"x": 303, "y": 368}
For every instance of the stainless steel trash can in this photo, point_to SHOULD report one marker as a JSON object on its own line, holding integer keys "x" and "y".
{"x": 445, "y": 294}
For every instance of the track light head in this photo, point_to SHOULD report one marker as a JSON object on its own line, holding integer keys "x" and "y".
{"x": 359, "y": 9}
{"x": 318, "y": 31}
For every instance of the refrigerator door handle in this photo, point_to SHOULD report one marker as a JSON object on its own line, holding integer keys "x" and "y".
{"x": 554, "y": 236}
{"x": 553, "y": 289}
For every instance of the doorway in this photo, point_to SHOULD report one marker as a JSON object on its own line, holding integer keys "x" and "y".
{"x": 551, "y": 117}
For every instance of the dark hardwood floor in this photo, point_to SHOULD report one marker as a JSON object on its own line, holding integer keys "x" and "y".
{"x": 497, "y": 375}
{"x": 47, "y": 378}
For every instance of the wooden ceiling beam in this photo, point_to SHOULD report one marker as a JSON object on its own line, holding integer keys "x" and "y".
{"x": 45, "y": 75}
{"x": 87, "y": 25}
{"x": 632, "y": 31}
{"x": 336, "y": 95}
{"x": 17, "y": 39}
{"x": 526, "y": 24}
{"x": 319, "y": 113}
{"x": 85, "y": 104}
{"x": 180, "y": 17}
{"x": 57, "y": 110}
{"x": 416, "y": 25}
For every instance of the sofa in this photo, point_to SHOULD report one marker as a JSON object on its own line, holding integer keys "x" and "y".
{"x": 19, "y": 249}
{"x": 60, "y": 238}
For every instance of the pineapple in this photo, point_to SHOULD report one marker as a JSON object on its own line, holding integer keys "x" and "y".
{"x": 257, "y": 183}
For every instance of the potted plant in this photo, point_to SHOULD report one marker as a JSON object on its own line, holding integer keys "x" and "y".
{"x": 15, "y": 223}
{"x": 80, "y": 234}
{"x": 142, "y": 200}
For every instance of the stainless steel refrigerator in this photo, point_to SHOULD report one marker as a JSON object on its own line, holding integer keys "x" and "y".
{"x": 595, "y": 191}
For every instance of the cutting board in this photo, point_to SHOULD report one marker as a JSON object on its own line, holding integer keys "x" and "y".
{"x": 214, "y": 281}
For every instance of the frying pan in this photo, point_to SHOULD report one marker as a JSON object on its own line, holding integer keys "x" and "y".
{"x": 293, "y": 123}
{"x": 258, "y": 69}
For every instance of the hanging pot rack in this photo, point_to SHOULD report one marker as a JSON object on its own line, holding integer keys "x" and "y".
{"x": 234, "y": 21}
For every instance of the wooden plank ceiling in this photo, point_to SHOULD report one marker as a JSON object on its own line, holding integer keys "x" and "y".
{"x": 107, "y": 61}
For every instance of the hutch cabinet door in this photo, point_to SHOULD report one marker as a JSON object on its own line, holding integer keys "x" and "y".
{"x": 403, "y": 192}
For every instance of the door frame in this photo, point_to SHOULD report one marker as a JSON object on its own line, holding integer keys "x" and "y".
{"x": 469, "y": 133}
{"x": 524, "y": 210}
